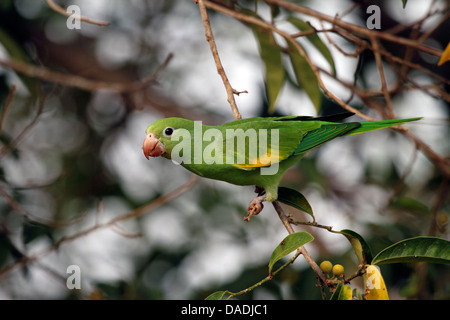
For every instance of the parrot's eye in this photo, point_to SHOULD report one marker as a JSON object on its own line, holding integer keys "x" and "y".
{"x": 168, "y": 132}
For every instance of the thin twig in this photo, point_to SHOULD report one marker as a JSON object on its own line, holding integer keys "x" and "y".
{"x": 80, "y": 82}
{"x": 13, "y": 144}
{"x": 384, "y": 87}
{"x": 301, "y": 51}
{"x": 355, "y": 29}
{"x": 284, "y": 219}
{"x": 64, "y": 12}
{"x": 215, "y": 53}
{"x": 401, "y": 181}
{"x": 440, "y": 199}
{"x": 19, "y": 209}
{"x": 7, "y": 106}
{"x": 268, "y": 278}
{"x": 158, "y": 202}
{"x": 443, "y": 164}
{"x": 363, "y": 45}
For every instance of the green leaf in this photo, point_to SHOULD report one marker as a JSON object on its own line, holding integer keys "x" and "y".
{"x": 419, "y": 249}
{"x": 409, "y": 204}
{"x": 346, "y": 293}
{"x": 218, "y": 295}
{"x": 271, "y": 56}
{"x": 305, "y": 76}
{"x": 360, "y": 246}
{"x": 404, "y": 3}
{"x": 274, "y": 10}
{"x": 342, "y": 292}
{"x": 295, "y": 199}
{"x": 289, "y": 244}
{"x": 315, "y": 40}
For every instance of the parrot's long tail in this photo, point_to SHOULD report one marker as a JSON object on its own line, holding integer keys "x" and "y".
{"x": 375, "y": 125}
{"x": 329, "y": 131}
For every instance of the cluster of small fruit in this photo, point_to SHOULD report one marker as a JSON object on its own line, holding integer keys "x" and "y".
{"x": 327, "y": 267}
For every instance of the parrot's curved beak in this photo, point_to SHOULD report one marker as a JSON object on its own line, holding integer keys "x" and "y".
{"x": 152, "y": 146}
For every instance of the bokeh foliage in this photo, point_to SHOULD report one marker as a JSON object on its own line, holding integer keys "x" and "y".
{"x": 71, "y": 158}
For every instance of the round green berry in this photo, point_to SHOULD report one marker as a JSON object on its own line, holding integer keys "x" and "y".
{"x": 338, "y": 269}
{"x": 326, "y": 266}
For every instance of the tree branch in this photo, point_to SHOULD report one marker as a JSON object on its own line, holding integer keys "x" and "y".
{"x": 7, "y": 106}
{"x": 80, "y": 82}
{"x": 355, "y": 29}
{"x": 302, "y": 250}
{"x": 215, "y": 53}
{"x": 158, "y": 202}
{"x": 64, "y": 12}
{"x": 297, "y": 46}
{"x": 384, "y": 87}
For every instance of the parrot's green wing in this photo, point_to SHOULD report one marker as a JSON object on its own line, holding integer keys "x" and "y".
{"x": 293, "y": 136}
{"x": 270, "y": 142}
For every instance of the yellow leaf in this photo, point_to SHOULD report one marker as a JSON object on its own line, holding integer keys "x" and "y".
{"x": 346, "y": 293}
{"x": 445, "y": 55}
{"x": 374, "y": 286}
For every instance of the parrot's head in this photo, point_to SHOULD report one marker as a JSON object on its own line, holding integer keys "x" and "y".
{"x": 158, "y": 140}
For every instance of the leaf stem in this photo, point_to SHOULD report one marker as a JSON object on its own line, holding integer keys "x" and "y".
{"x": 268, "y": 278}
{"x": 302, "y": 250}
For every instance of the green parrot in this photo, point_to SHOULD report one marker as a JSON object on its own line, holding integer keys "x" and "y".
{"x": 254, "y": 151}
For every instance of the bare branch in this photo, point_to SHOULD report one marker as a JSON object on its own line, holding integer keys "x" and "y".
{"x": 13, "y": 144}
{"x": 80, "y": 82}
{"x": 380, "y": 67}
{"x": 7, "y": 106}
{"x": 215, "y": 53}
{"x": 355, "y": 29}
{"x": 284, "y": 219}
{"x": 289, "y": 38}
{"x": 158, "y": 202}
{"x": 19, "y": 209}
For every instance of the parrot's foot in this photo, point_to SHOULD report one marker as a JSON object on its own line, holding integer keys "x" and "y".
{"x": 259, "y": 190}
{"x": 255, "y": 207}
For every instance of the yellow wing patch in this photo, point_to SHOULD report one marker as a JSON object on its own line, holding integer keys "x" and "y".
{"x": 265, "y": 160}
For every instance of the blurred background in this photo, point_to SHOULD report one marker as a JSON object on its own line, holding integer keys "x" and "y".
{"x": 71, "y": 159}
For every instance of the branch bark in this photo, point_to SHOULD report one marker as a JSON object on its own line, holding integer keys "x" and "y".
{"x": 302, "y": 250}
{"x": 64, "y": 12}
{"x": 215, "y": 53}
{"x": 81, "y": 82}
{"x": 355, "y": 29}
{"x": 146, "y": 208}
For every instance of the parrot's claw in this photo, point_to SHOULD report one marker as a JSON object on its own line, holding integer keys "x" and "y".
{"x": 259, "y": 190}
{"x": 255, "y": 207}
